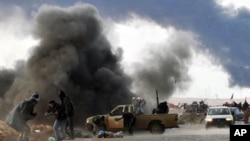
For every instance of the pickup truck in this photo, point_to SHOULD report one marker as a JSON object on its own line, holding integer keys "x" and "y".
{"x": 155, "y": 123}
{"x": 218, "y": 116}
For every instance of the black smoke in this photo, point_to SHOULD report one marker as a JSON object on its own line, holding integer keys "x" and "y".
{"x": 72, "y": 55}
{"x": 7, "y": 77}
{"x": 164, "y": 68}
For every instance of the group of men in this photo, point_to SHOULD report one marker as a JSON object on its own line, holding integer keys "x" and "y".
{"x": 24, "y": 111}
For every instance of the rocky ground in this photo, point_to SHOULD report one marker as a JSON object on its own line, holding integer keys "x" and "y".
{"x": 39, "y": 132}
{"x": 186, "y": 132}
{"x": 190, "y": 130}
{"x": 188, "y": 121}
{"x": 189, "y": 125}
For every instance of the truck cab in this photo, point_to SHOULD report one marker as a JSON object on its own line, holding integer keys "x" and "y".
{"x": 155, "y": 123}
{"x": 117, "y": 113}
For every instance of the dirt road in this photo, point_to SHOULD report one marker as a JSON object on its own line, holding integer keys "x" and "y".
{"x": 195, "y": 132}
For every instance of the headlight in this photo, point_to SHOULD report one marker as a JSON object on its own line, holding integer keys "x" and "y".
{"x": 209, "y": 119}
{"x": 87, "y": 120}
{"x": 229, "y": 119}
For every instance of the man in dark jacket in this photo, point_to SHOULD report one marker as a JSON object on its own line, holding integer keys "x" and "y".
{"x": 20, "y": 114}
{"x": 69, "y": 109}
{"x": 60, "y": 123}
{"x": 129, "y": 121}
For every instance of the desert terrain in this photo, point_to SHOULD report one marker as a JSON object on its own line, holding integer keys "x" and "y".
{"x": 190, "y": 129}
{"x": 186, "y": 132}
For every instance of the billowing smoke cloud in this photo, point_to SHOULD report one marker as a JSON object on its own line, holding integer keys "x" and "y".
{"x": 6, "y": 79}
{"x": 75, "y": 56}
{"x": 165, "y": 67}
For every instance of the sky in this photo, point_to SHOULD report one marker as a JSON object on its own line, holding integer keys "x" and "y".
{"x": 189, "y": 48}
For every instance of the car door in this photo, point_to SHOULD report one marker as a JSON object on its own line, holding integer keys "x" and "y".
{"x": 116, "y": 114}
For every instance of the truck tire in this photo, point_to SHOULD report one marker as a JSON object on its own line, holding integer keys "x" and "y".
{"x": 156, "y": 128}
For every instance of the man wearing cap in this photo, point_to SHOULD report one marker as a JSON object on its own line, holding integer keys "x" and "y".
{"x": 20, "y": 114}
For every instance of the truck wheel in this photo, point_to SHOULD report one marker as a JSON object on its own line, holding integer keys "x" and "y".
{"x": 156, "y": 128}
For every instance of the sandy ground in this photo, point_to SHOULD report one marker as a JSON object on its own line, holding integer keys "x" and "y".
{"x": 185, "y": 132}
{"x": 196, "y": 132}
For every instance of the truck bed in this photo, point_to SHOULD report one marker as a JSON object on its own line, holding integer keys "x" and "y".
{"x": 168, "y": 120}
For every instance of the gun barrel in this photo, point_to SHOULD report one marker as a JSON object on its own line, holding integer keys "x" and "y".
{"x": 157, "y": 98}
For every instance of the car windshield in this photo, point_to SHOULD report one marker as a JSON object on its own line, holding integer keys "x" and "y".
{"x": 117, "y": 111}
{"x": 218, "y": 111}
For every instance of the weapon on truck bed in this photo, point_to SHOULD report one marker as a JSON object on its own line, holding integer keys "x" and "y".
{"x": 157, "y": 99}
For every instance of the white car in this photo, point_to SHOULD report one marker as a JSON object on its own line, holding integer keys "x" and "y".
{"x": 218, "y": 116}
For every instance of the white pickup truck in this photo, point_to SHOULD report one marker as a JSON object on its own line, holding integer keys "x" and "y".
{"x": 218, "y": 116}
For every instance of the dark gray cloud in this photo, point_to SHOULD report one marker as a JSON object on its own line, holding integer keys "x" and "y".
{"x": 75, "y": 56}
{"x": 225, "y": 36}
{"x": 164, "y": 68}
{"x": 7, "y": 77}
